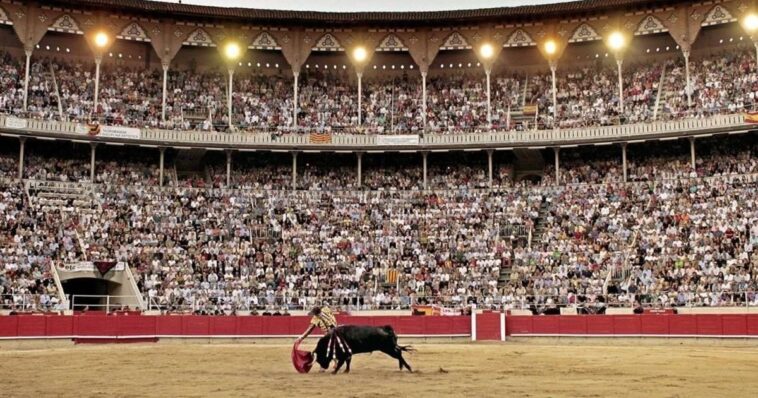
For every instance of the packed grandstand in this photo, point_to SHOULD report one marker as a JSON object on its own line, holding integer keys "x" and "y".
{"x": 661, "y": 223}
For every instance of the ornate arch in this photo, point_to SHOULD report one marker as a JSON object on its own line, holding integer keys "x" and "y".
{"x": 455, "y": 41}
{"x": 133, "y": 31}
{"x": 264, "y": 41}
{"x": 199, "y": 37}
{"x": 650, "y": 25}
{"x": 718, "y": 15}
{"x": 66, "y": 24}
{"x": 519, "y": 38}
{"x": 4, "y": 17}
{"x": 392, "y": 42}
{"x": 328, "y": 42}
{"x": 584, "y": 32}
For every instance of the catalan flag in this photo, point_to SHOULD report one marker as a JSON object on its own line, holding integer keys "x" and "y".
{"x": 320, "y": 138}
{"x": 392, "y": 275}
{"x": 751, "y": 117}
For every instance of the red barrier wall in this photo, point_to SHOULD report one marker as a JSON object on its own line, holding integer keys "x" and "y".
{"x": 99, "y": 326}
{"x": 130, "y": 326}
{"x": 634, "y": 325}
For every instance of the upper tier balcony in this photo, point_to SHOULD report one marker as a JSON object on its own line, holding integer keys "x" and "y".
{"x": 695, "y": 127}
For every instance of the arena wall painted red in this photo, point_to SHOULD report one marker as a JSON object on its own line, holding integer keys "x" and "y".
{"x": 488, "y": 326}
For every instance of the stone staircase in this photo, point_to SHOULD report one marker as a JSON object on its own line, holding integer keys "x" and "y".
{"x": 66, "y": 203}
{"x": 70, "y": 197}
{"x": 667, "y": 90}
{"x": 525, "y": 235}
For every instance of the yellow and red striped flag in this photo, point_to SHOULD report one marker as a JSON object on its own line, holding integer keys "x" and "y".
{"x": 751, "y": 117}
{"x": 320, "y": 138}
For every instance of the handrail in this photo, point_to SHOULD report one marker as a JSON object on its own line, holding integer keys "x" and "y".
{"x": 108, "y": 304}
{"x": 747, "y": 298}
{"x": 59, "y": 287}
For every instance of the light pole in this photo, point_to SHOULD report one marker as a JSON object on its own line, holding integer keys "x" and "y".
{"x": 101, "y": 41}
{"x": 163, "y": 100}
{"x": 28, "y": 53}
{"x": 360, "y": 55}
{"x": 750, "y": 24}
{"x": 550, "y": 50}
{"x": 617, "y": 42}
{"x": 232, "y": 52}
{"x": 487, "y": 51}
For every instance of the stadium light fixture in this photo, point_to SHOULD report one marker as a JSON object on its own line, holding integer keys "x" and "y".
{"x": 360, "y": 54}
{"x": 101, "y": 39}
{"x": 750, "y": 22}
{"x": 550, "y": 47}
{"x": 487, "y": 51}
{"x": 232, "y": 51}
{"x": 616, "y": 41}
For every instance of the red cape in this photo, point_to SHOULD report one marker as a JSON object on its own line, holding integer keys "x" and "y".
{"x": 301, "y": 360}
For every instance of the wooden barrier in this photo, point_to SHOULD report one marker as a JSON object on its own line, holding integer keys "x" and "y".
{"x": 100, "y": 326}
{"x": 654, "y": 325}
{"x": 489, "y": 326}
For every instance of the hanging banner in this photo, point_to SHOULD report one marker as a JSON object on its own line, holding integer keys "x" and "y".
{"x": 116, "y": 132}
{"x": 15, "y": 123}
{"x": 395, "y": 140}
{"x": 89, "y": 266}
{"x": 99, "y": 130}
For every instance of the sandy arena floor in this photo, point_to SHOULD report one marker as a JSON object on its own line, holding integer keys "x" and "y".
{"x": 473, "y": 370}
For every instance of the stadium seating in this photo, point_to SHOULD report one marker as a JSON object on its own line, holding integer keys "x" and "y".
{"x": 672, "y": 236}
{"x": 196, "y": 100}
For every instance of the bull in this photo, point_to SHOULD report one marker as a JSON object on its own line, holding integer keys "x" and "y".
{"x": 359, "y": 340}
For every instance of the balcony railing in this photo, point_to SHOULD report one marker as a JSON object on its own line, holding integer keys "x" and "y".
{"x": 494, "y": 139}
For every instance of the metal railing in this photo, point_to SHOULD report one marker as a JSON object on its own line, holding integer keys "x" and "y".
{"x": 34, "y": 303}
{"x": 363, "y": 141}
{"x": 106, "y": 303}
{"x": 535, "y": 303}
{"x": 25, "y": 302}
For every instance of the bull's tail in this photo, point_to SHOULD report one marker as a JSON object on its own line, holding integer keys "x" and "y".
{"x": 406, "y": 348}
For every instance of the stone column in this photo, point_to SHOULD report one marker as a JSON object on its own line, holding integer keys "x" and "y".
{"x": 360, "y": 168}
{"x": 424, "y": 156}
{"x": 294, "y": 170}
{"x": 623, "y": 160}
{"x": 228, "y": 168}
{"x": 557, "y": 165}
{"x": 21, "y": 150}
{"x": 163, "y": 153}
{"x": 93, "y": 147}
{"x": 489, "y": 165}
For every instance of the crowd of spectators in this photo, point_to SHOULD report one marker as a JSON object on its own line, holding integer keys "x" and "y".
{"x": 587, "y": 95}
{"x": 32, "y": 239}
{"x": 672, "y": 236}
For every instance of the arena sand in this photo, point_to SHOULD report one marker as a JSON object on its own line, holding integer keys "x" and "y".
{"x": 459, "y": 370}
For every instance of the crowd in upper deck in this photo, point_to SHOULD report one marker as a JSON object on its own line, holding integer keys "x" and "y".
{"x": 587, "y": 95}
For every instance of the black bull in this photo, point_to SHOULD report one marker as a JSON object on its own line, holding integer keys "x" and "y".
{"x": 360, "y": 339}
